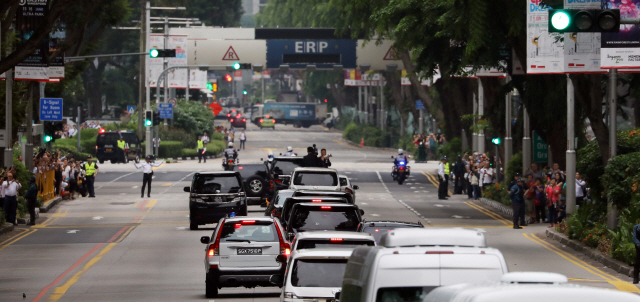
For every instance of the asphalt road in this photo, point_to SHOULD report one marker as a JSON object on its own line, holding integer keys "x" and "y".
{"x": 119, "y": 246}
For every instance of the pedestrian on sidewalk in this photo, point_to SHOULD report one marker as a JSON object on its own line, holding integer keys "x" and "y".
{"x": 580, "y": 189}
{"x": 442, "y": 186}
{"x": 148, "y": 174}
{"x": 636, "y": 242}
{"x": 539, "y": 201}
{"x": 552, "y": 202}
{"x": 529, "y": 199}
{"x": 11, "y": 187}
{"x": 243, "y": 139}
{"x": 475, "y": 183}
{"x": 516, "y": 193}
{"x": 32, "y": 199}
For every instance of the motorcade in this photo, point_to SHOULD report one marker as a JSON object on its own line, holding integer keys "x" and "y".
{"x": 324, "y": 216}
{"x": 425, "y": 237}
{"x": 215, "y": 195}
{"x": 257, "y": 181}
{"x": 292, "y": 201}
{"x": 401, "y": 171}
{"x": 107, "y": 147}
{"x": 282, "y": 167}
{"x": 274, "y": 208}
{"x": 410, "y": 273}
{"x": 330, "y": 239}
{"x": 313, "y": 275}
{"x": 377, "y": 228}
{"x": 346, "y": 186}
{"x": 321, "y": 179}
{"x": 242, "y": 251}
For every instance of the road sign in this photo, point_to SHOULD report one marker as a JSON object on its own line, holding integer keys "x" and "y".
{"x": 131, "y": 109}
{"x": 321, "y": 53}
{"x": 540, "y": 150}
{"x": 230, "y": 55}
{"x": 216, "y": 108}
{"x": 173, "y": 101}
{"x": 50, "y": 109}
{"x": 165, "y": 110}
{"x": 390, "y": 55}
{"x": 420, "y": 105}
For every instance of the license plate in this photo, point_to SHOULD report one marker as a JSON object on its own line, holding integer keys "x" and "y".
{"x": 108, "y": 150}
{"x": 249, "y": 251}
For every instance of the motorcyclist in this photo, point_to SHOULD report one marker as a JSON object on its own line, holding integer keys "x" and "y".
{"x": 289, "y": 151}
{"x": 230, "y": 153}
{"x": 400, "y": 158}
{"x": 270, "y": 156}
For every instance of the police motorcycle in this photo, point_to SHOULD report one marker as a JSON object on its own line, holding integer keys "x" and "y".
{"x": 230, "y": 158}
{"x": 400, "y": 170}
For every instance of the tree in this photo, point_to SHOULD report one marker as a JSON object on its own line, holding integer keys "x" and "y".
{"x": 225, "y": 13}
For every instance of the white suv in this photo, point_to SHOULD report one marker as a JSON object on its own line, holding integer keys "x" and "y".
{"x": 316, "y": 179}
{"x": 243, "y": 252}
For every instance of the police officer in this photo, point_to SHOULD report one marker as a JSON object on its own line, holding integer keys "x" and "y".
{"x": 148, "y": 173}
{"x": 122, "y": 146}
{"x": 201, "y": 150}
{"x": 91, "y": 170}
{"x": 289, "y": 151}
{"x": 229, "y": 153}
{"x": 400, "y": 157}
{"x": 442, "y": 176}
{"x": 447, "y": 173}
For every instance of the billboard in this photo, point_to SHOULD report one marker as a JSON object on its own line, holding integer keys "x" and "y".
{"x": 30, "y": 15}
{"x": 622, "y": 49}
{"x": 545, "y": 51}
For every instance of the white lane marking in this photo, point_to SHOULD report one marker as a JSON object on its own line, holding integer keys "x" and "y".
{"x": 97, "y": 217}
{"x": 459, "y": 217}
{"x": 72, "y": 231}
{"x": 134, "y": 187}
{"x": 412, "y": 188}
{"x": 165, "y": 190}
{"x": 181, "y": 228}
{"x": 400, "y": 201}
{"x": 123, "y": 193}
{"x": 117, "y": 179}
{"x": 375, "y": 215}
{"x": 364, "y": 203}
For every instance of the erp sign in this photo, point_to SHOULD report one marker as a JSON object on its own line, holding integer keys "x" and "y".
{"x": 321, "y": 53}
{"x": 50, "y": 109}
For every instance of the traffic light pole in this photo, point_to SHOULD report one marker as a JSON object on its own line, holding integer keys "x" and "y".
{"x": 8, "y": 151}
{"x": 612, "y": 213}
{"x": 147, "y": 71}
{"x": 508, "y": 141}
{"x": 570, "y": 175}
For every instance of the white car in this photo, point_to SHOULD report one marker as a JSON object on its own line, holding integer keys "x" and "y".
{"x": 317, "y": 179}
{"x": 331, "y": 239}
{"x": 457, "y": 237}
{"x": 346, "y": 186}
{"x": 313, "y": 275}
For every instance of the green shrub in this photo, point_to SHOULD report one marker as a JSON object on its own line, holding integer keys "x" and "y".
{"x": 73, "y": 149}
{"x": 451, "y": 149}
{"x": 193, "y": 117}
{"x": 513, "y": 166}
{"x": 622, "y": 172}
{"x": 213, "y": 148}
{"x": 88, "y": 133}
{"x": 343, "y": 122}
{"x": 352, "y": 132}
{"x": 216, "y": 136}
{"x": 188, "y": 139}
{"x": 497, "y": 192}
{"x": 168, "y": 149}
{"x": 22, "y": 210}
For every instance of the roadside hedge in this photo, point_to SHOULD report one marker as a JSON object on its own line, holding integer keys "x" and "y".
{"x": 213, "y": 148}
{"x": 168, "y": 149}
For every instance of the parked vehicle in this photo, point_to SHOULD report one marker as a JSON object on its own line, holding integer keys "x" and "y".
{"x": 107, "y": 146}
{"x": 242, "y": 251}
{"x": 214, "y": 195}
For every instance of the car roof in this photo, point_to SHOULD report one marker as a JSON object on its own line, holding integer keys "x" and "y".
{"x": 386, "y": 223}
{"x": 221, "y": 173}
{"x": 433, "y": 237}
{"x": 320, "y": 193}
{"x": 286, "y": 191}
{"x": 322, "y": 253}
{"x": 302, "y": 169}
{"x": 534, "y": 278}
{"x": 323, "y": 199}
{"x": 286, "y": 158}
{"x": 332, "y": 234}
{"x": 244, "y": 218}
{"x": 333, "y": 204}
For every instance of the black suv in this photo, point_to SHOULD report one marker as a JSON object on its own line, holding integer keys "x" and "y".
{"x": 257, "y": 180}
{"x": 107, "y": 146}
{"x": 290, "y": 202}
{"x": 281, "y": 168}
{"x": 380, "y": 227}
{"x": 330, "y": 216}
{"x": 214, "y": 195}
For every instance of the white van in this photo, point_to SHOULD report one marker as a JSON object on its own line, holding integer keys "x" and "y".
{"x": 314, "y": 275}
{"x": 410, "y": 273}
{"x": 424, "y": 237}
{"x": 504, "y": 292}
{"x": 315, "y": 179}
{"x": 534, "y": 278}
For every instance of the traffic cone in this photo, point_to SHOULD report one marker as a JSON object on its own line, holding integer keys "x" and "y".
{"x": 362, "y": 142}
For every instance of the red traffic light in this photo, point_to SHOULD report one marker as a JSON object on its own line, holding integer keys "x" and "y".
{"x": 325, "y": 100}
{"x": 228, "y": 78}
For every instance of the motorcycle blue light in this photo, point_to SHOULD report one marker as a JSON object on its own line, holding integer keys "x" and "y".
{"x": 401, "y": 163}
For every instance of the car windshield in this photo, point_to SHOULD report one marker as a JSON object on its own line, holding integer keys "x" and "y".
{"x": 318, "y": 272}
{"x": 315, "y": 179}
{"x": 107, "y": 139}
{"x": 249, "y": 230}
{"x": 318, "y": 219}
{"x": 285, "y": 167}
{"x": 332, "y": 243}
{"x": 216, "y": 184}
{"x": 403, "y": 294}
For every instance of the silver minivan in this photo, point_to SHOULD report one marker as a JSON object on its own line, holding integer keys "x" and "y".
{"x": 317, "y": 179}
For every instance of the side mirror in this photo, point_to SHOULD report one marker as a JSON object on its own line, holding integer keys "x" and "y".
{"x": 187, "y": 189}
{"x": 205, "y": 239}
{"x": 281, "y": 259}
{"x": 361, "y": 212}
{"x": 356, "y": 187}
{"x": 276, "y": 280}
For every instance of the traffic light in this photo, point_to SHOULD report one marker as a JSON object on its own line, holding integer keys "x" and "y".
{"x": 50, "y": 129}
{"x": 162, "y": 53}
{"x": 215, "y": 87}
{"x": 244, "y": 92}
{"x": 210, "y": 86}
{"x": 228, "y": 78}
{"x": 148, "y": 118}
{"x": 156, "y": 118}
{"x": 496, "y": 141}
{"x": 238, "y": 66}
{"x": 584, "y": 20}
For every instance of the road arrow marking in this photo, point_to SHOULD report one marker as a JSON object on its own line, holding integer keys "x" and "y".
{"x": 72, "y": 231}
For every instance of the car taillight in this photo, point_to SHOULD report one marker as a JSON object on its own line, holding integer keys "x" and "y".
{"x": 267, "y": 116}
{"x": 287, "y": 252}
{"x": 377, "y": 230}
{"x": 248, "y": 221}
{"x": 285, "y": 248}
{"x": 238, "y": 225}
{"x": 278, "y": 181}
{"x": 336, "y": 239}
{"x": 261, "y": 120}
{"x": 214, "y": 249}
{"x": 244, "y": 119}
{"x": 240, "y": 168}
{"x": 326, "y": 207}
{"x": 231, "y": 120}
{"x": 228, "y": 115}
{"x": 274, "y": 121}
{"x": 316, "y": 200}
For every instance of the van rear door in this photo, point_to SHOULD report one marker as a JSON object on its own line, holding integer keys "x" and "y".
{"x": 461, "y": 268}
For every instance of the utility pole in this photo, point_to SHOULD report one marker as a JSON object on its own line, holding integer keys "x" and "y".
{"x": 359, "y": 111}
{"x": 141, "y": 74}
{"x": 612, "y": 213}
{"x": 571, "y": 152}
{"x": 480, "y": 113}
{"x": 526, "y": 141}
{"x": 474, "y": 136}
{"x": 165, "y": 64}
{"x": 8, "y": 151}
{"x": 366, "y": 104}
{"x": 147, "y": 31}
{"x": 80, "y": 123}
{"x": 508, "y": 142}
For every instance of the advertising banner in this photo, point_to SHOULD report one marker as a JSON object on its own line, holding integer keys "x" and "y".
{"x": 56, "y": 38}
{"x": 197, "y": 79}
{"x": 178, "y": 77}
{"x": 622, "y": 49}
{"x": 357, "y": 78}
{"x": 31, "y": 13}
{"x": 155, "y": 64}
{"x": 545, "y": 53}
{"x": 582, "y": 50}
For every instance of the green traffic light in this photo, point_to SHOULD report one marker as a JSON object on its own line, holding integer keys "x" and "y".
{"x": 560, "y": 20}
{"x": 210, "y": 86}
{"x": 236, "y": 65}
{"x": 244, "y": 92}
{"x": 154, "y": 53}
{"x": 148, "y": 123}
{"x": 47, "y": 138}
{"x": 496, "y": 141}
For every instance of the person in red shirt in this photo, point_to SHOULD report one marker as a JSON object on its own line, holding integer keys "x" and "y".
{"x": 529, "y": 197}
{"x": 551, "y": 202}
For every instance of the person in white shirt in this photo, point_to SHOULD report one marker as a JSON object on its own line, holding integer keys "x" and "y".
{"x": 579, "y": 189}
{"x": 205, "y": 138}
{"x": 243, "y": 139}
{"x": 487, "y": 176}
{"x": 11, "y": 187}
{"x": 73, "y": 131}
{"x": 148, "y": 173}
{"x": 442, "y": 186}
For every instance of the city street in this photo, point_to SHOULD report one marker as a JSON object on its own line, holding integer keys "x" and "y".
{"x": 120, "y": 247}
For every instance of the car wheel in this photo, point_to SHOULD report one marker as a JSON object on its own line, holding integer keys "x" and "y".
{"x": 211, "y": 288}
{"x": 256, "y": 185}
{"x": 113, "y": 161}
{"x": 193, "y": 226}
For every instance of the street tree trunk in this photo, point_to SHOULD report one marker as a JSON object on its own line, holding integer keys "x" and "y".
{"x": 419, "y": 89}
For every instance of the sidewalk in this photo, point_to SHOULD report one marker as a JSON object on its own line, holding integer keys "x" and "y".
{"x": 6, "y": 228}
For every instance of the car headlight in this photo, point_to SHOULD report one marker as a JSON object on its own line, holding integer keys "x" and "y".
{"x": 198, "y": 200}
{"x": 290, "y": 296}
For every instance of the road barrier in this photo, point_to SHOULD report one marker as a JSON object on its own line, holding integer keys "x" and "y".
{"x": 46, "y": 183}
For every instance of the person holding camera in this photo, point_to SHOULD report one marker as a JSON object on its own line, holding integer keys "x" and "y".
{"x": 324, "y": 158}
{"x": 11, "y": 187}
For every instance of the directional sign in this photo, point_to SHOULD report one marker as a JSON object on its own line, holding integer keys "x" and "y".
{"x": 50, "y": 109}
{"x": 321, "y": 53}
{"x": 131, "y": 109}
{"x": 165, "y": 110}
{"x": 420, "y": 105}
{"x": 540, "y": 150}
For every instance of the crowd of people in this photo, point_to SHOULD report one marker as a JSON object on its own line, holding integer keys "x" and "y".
{"x": 66, "y": 171}
{"x": 431, "y": 142}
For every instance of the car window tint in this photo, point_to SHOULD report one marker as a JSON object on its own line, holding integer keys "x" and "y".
{"x": 328, "y": 243}
{"x": 317, "y": 219}
{"x": 210, "y": 184}
{"x": 343, "y": 182}
{"x": 247, "y": 171}
{"x": 315, "y": 179}
{"x": 259, "y": 231}
{"x": 285, "y": 167}
{"x": 318, "y": 272}
{"x": 377, "y": 232}
{"x": 404, "y": 294}
{"x": 107, "y": 138}
{"x": 282, "y": 196}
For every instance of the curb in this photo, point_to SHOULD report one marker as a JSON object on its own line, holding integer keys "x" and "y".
{"x": 47, "y": 206}
{"x": 498, "y": 206}
{"x": 6, "y": 228}
{"x": 596, "y": 255}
